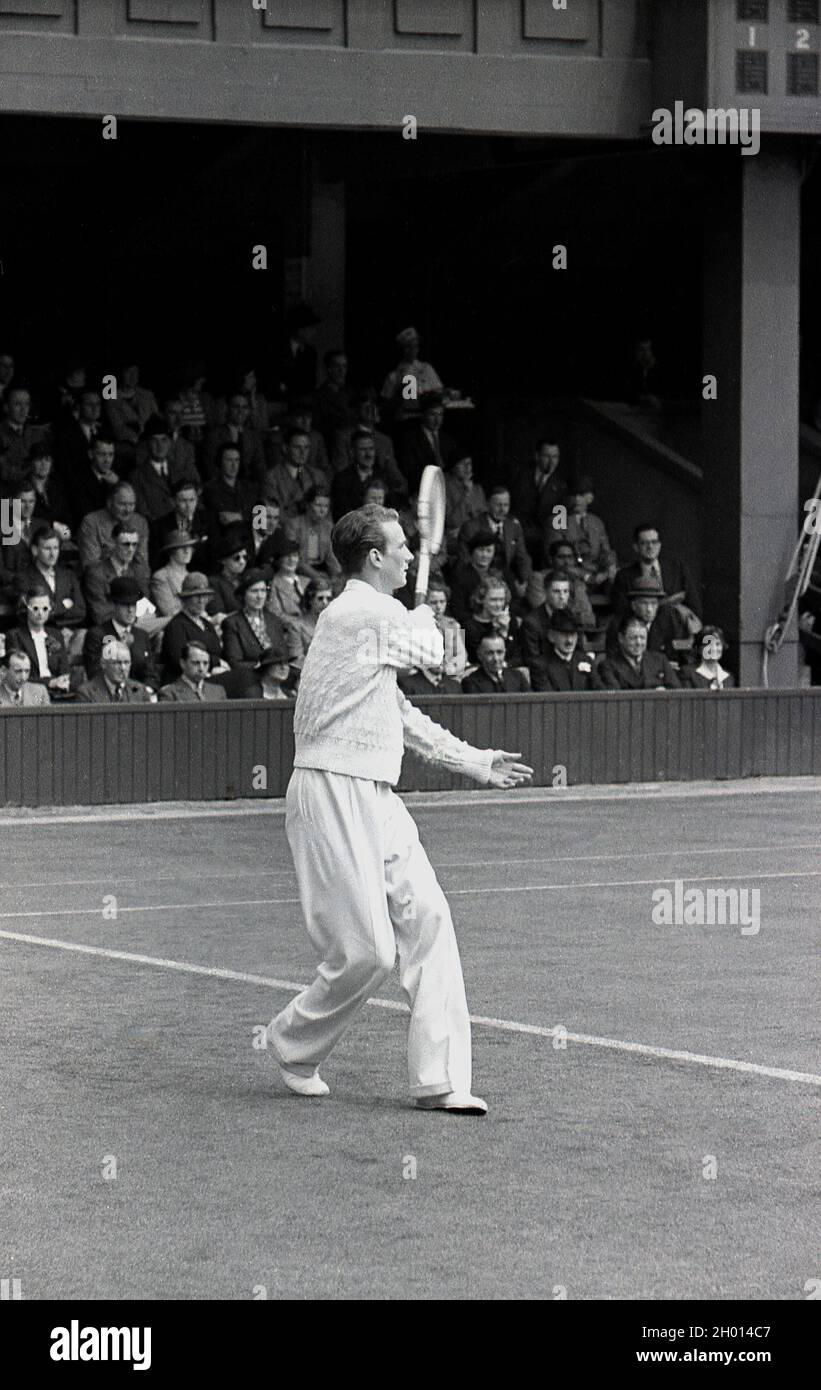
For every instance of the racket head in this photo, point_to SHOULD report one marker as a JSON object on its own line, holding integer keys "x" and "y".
{"x": 430, "y": 508}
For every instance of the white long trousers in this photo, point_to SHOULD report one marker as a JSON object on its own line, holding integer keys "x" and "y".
{"x": 367, "y": 888}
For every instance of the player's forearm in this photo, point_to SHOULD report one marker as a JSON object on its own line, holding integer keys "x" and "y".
{"x": 440, "y": 747}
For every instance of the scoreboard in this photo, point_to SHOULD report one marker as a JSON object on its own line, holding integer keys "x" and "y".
{"x": 764, "y": 54}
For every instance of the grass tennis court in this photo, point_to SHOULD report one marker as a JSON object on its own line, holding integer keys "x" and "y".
{"x": 588, "y": 1175}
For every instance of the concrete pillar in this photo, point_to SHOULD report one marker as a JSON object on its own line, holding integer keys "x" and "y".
{"x": 751, "y": 315}
{"x": 326, "y": 268}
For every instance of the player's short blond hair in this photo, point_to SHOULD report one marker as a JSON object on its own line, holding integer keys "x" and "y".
{"x": 357, "y": 533}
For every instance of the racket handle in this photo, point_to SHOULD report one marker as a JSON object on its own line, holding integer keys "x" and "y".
{"x": 422, "y": 577}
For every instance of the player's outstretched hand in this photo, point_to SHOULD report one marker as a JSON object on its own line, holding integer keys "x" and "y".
{"x": 507, "y": 771}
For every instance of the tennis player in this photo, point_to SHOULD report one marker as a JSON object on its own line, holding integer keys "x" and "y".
{"x": 366, "y": 885}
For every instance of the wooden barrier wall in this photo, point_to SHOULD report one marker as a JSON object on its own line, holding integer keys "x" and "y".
{"x": 98, "y": 754}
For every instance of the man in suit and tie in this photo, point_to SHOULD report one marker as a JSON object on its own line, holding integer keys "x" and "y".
{"x": 669, "y": 573}
{"x": 154, "y": 480}
{"x": 68, "y": 604}
{"x": 511, "y": 552}
{"x": 113, "y": 685}
{"x": 423, "y": 442}
{"x": 89, "y": 488}
{"x": 587, "y": 533}
{"x": 192, "y": 684}
{"x": 15, "y": 687}
{"x": 555, "y": 662}
{"x": 633, "y": 667}
{"x": 120, "y": 562}
{"x": 295, "y": 369}
{"x": 17, "y": 437}
{"x": 74, "y": 443}
{"x": 125, "y": 593}
{"x": 536, "y": 488}
{"x": 494, "y": 676}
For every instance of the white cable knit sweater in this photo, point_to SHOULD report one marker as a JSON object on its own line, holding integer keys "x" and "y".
{"x": 350, "y": 715}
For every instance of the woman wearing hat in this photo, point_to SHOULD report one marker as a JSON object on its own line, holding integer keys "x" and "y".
{"x": 287, "y": 586}
{"x": 231, "y": 552}
{"x": 267, "y": 677}
{"x": 166, "y": 583}
{"x": 247, "y": 633}
{"x": 191, "y": 624}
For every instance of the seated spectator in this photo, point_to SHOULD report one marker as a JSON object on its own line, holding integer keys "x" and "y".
{"x": 229, "y": 499}
{"x": 63, "y": 402}
{"x": 68, "y": 604}
{"x": 673, "y": 576}
{"x": 402, "y": 398}
{"x": 17, "y": 437}
{"x": 7, "y": 366}
{"x": 95, "y": 533}
{"x": 88, "y": 489}
{"x": 540, "y": 622}
{"x": 511, "y": 553}
{"x": 424, "y": 680}
{"x": 266, "y": 538}
{"x": 192, "y": 624}
{"x": 366, "y": 415}
{"x": 119, "y": 563}
{"x": 198, "y": 407}
{"x": 238, "y": 432}
{"x": 52, "y": 504}
{"x": 187, "y": 515}
{"x": 376, "y": 493}
{"x": 588, "y": 536}
{"x": 452, "y": 634}
{"x": 311, "y": 531}
{"x": 15, "y": 686}
{"x": 633, "y": 667}
{"x": 349, "y": 487}
{"x": 231, "y": 552}
{"x": 154, "y": 480}
{"x": 15, "y": 546}
{"x": 127, "y": 416}
{"x": 265, "y": 680}
{"x": 113, "y": 685}
{"x": 290, "y": 480}
{"x": 44, "y": 648}
{"x": 490, "y": 615}
{"x": 494, "y": 676}
{"x": 287, "y": 586}
{"x": 295, "y": 370}
{"x": 667, "y": 631}
{"x": 192, "y": 682}
{"x": 259, "y": 407}
{"x": 467, "y": 577}
{"x": 314, "y": 601}
{"x": 562, "y": 557}
{"x": 423, "y": 442}
{"x": 74, "y": 443}
{"x": 708, "y": 673}
{"x": 125, "y": 594}
{"x": 465, "y": 499}
{"x": 560, "y": 664}
{"x": 248, "y": 632}
{"x": 182, "y": 456}
{"x": 535, "y": 489}
{"x": 301, "y": 417}
{"x": 334, "y": 411}
{"x": 167, "y": 583}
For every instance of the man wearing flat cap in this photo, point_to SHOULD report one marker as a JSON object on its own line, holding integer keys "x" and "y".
{"x": 412, "y": 379}
{"x": 125, "y": 593}
{"x": 191, "y": 624}
{"x": 560, "y": 665}
{"x": 587, "y": 534}
{"x": 192, "y": 684}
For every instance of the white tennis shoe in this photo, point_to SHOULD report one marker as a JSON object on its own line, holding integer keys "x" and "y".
{"x": 453, "y": 1101}
{"x": 304, "y": 1085}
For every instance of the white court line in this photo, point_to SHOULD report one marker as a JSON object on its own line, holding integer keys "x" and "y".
{"x": 450, "y": 893}
{"x": 197, "y": 877}
{"x": 501, "y": 1025}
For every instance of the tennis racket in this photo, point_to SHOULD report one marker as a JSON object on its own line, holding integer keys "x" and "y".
{"x": 430, "y": 517}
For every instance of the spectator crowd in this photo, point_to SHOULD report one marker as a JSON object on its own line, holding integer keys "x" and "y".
{"x": 179, "y": 547}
